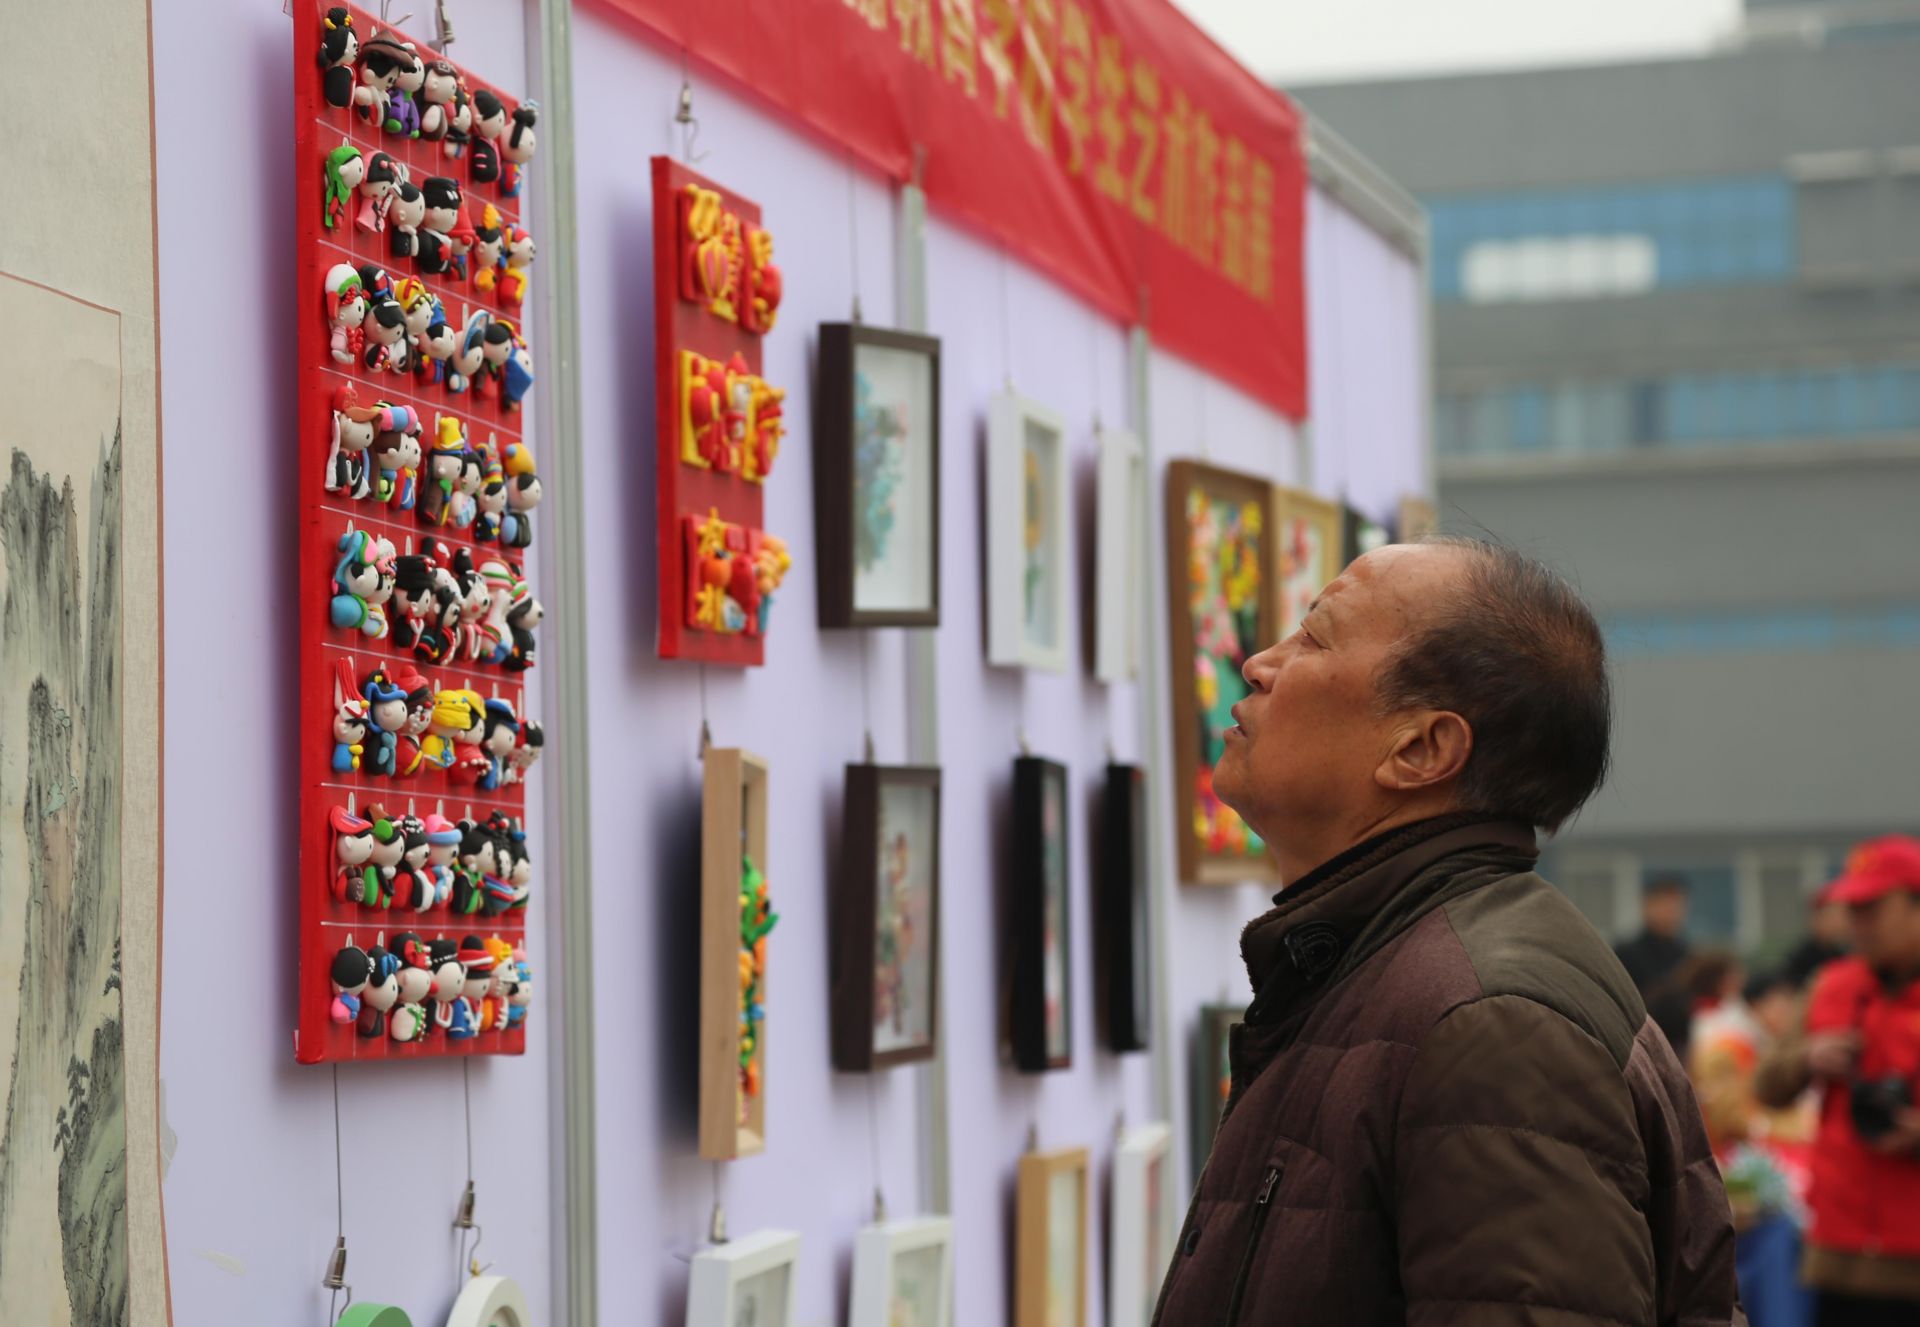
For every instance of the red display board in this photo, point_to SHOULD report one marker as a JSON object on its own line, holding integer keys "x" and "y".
{"x": 1109, "y": 142}
{"x": 716, "y": 293}
{"x": 414, "y": 497}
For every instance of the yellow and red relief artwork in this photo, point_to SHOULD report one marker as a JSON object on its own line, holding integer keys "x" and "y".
{"x": 727, "y": 264}
{"x": 732, "y": 572}
{"x": 730, "y": 418}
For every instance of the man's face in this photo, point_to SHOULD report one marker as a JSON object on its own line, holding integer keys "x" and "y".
{"x": 1666, "y": 912}
{"x": 1309, "y": 736}
{"x": 1830, "y": 924}
{"x": 1886, "y": 932}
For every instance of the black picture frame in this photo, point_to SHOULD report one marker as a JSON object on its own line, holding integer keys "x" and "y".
{"x": 1360, "y": 534}
{"x": 837, "y": 462}
{"x": 858, "y": 893}
{"x": 1122, "y": 913}
{"x": 1212, "y": 1046}
{"x": 1040, "y": 908}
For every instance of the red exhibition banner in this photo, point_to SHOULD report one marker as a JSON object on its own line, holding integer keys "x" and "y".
{"x": 1109, "y": 142}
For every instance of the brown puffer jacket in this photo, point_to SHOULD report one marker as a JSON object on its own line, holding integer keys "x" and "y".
{"x": 1449, "y": 1106}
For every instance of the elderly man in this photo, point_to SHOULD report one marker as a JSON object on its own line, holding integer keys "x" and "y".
{"x": 1448, "y": 1105}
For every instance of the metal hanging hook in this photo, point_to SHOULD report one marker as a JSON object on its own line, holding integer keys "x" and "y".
{"x": 689, "y": 123}
{"x": 443, "y": 21}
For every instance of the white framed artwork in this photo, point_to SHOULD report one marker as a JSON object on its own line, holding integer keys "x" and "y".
{"x": 744, "y": 1283}
{"x": 491, "y": 1301}
{"x": 903, "y": 1274}
{"x": 1143, "y": 1230}
{"x": 1120, "y": 551}
{"x": 1029, "y": 566}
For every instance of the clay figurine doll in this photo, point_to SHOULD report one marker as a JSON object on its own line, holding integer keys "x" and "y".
{"x": 408, "y": 1021}
{"x": 459, "y": 124}
{"x": 522, "y": 617}
{"x": 491, "y": 507}
{"x": 348, "y": 975}
{"x": 489, "y": 643}
{"x": 498, "y": 737}
{"x": 417, "y": 303}
{"x": 449, "y": 979}
{"x": 456, "y": 713}
{"x": 382, "y": 61}
{"x": 522, "y": 995}
{"x": 517, "y": 148}
{"x": 413, "y": 878}
{"x": 404, "y": 216}
{"x": 489, "y": 249}
{"x": 443, "y": 840}
{"x": 407, "y": 758}
{"x": 470, "y": 356}
{"x": 384, "y": 866}
{"x": 438, "y": 87}
{"x": 354, "y": 427}
{"x": 489, "y": 125}
{"x": 443, "y": 199}
{"x": 493, "y": 1013}
{"x": 349, "y": 735}
{"x": 376, "y": 193}
{"x": 516, "y": 376}
{"x": 346, "y": 308}
{"x": 464, "y": 505}
{"x": 362, "y": 584}
{"x": 518, "y": 258}
{"x": 434, "y": 349}
{"x": 402, "y": 109}
{"x": 412, "y": 597}
{"x": 521, "y": 877}
{"x": 382, "y": 992}
{"x": 352, "y": 851}
{"x": 439, "y": 636}
{"x": 533, "y": 740}
{"x": 387, "y": 708}
{"x": 478, "y": 964}
{"x": 478, "y": 860}
{"x": 516, "y": 527}
{"x": 395, "y": 456}
{"x": 345, "y": 169}
{"x": 386, "y": 331}
{"x": 339, "y": 49}
{"x": 443, "y": 470}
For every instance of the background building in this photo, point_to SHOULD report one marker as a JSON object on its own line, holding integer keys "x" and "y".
{"x": 1677, "y": 335}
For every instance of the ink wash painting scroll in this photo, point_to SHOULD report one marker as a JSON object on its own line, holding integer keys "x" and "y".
{"x": 63, "y": 1134}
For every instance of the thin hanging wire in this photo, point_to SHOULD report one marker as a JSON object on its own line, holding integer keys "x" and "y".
{"x": 1093, "y": 359}
{"x": 339, "y": 1185}
{"x": 866, "y": 699}
{"x": 873, "y": 1147}
{"x": 336, "y": 1278}
{"x": 853, "y": 238}
{"x": 1006, "y": 325}
{"x": 706, "y": 732}
{"x": 683, "y": 113}
{"x": 717, "y": 1223}
{"x": 466, "y": 1091}
{"x": 1206, "y": 438}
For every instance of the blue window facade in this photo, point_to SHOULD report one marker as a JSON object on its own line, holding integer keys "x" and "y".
{"x": 1697, "y": 410}
{"x": 1739, "y": 229}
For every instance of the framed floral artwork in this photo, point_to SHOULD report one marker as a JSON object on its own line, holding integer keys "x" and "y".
{"x": 1029, "y": 571}
{"x": 1142, "y": 1225}
{"x": 886, "y": 919}
{"x": 736, "y": 918}
{"x": 903, "y": 1274}
{"x": 1120, "y": 555}
{"x": 1311, "y": 534}
{"x": 745, "y": 1282}
{"x": 1041, "y": 1017}
{"x": 1050, "y": 1239}
{"x": 1220, "y": 578}
{"x": 1360, "y": 534}
{"x": 1122, "y": 918}
{"x": 876, "y": 458}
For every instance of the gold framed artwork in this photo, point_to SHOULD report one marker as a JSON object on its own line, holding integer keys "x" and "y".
{"x": 1050, "y": 1236}
{"x": 736, "y": 916}
{"x": 1311, "y": 534}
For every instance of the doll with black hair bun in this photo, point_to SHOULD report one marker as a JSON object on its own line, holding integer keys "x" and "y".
{"x": 382, "y": 62}
{"x": 348, "y": 975}
{"x": 383, "y": 175}
{"x": 438, "y": 88}
{"x": 516, "y": 149}
{"x": 382, "y": 991}
{"x": 339, "y": 50}
{"x": 442, "y": 216}
{"x": 489, "y": 126}
{"x": 404, "y": 215}
{"x": 386, "y": 333}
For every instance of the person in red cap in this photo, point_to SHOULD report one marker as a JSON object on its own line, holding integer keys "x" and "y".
{"x": 1861, "y": 1052}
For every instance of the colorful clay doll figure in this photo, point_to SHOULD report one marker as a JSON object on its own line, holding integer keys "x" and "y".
{"x": 407, "y": 758}
{"x": 339, "y": 49}
{"x": 517, "y": 259}
{"x": 389, "y": 845}
{"x": 478, "y": 860}
{"x": 517, "y": 148}
{"x": 443, "y": 199}
{"x": 478, "y": 964}
{"x": 461, "y": 240}
{"x": 382, "y": 992}
{"x": 439, "y": 635}
{"x": 500, "y": 339}
{"x": 489, "y": 249}
{"x": 443, "y": 470}
{"x": 354, "y": 429}
{"x": 387, "y": 709}
{"x": 449, "y": 980}
{"x": 443, "y": 839}
{"x": 456, "y": 712}
{"x": 471, "y": 355}
{"x": 386, "y": 330}
{"x": 417, "y": 304}
{"x": 410, "y": 878}
{"x": 438, "y": 87}
{"x": 499, "y": 735}
{"x": 533, "y": 740}
{"x": 434, "y": 348}
{"x": 404, "y": 215}
{"x": 349, "y": 735}
{"x": 395, "y": 457}
{"x": 491, "y": 643}
{"x": 493, "y": 1014}
{"x": 345, "y": 169}
{"x": 464, "y": 507}
{"x": 352, "y": 851}
{"x": 489, "y": 126}
{"x": 376, "y": 193}
{"x": 408, "y": 1021}
{"x": 459, "y": 124}
{"x": 523, "y": 616}
{"x": 402, "y": 108}
{"x": 348, "y": 974}
{"x": 492, "y": 506}
{"x": 516, "y": 376}
{"x": 516, "y": 527}
{"x": 362, "y": 584}
{"x": 346, "y": 308}
{"x": 381, "y": 61}
{"x": 522, "y": 997}
{"x": 412, "y": 597}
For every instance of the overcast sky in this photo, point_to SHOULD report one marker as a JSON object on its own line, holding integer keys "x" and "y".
{"x": 1290, "y": 41}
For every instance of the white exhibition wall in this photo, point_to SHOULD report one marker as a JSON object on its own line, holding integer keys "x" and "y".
{"x": 250, "y": 1199}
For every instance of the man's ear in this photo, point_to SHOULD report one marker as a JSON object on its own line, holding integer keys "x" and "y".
{"x": 1429, "y": 749}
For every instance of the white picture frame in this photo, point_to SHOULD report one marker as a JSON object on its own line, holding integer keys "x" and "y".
{"x": 1030, "y": 621}
{"x": 491, "y": 1301}
{"x": 907, "y": 1261}
{"x": 1120, "y": 554}
{"x": 1142, "y": 1224}
{"x": 747, "y": 1282}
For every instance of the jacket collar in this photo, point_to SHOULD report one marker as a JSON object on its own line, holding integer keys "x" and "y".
{"x": 1354, "y": 903}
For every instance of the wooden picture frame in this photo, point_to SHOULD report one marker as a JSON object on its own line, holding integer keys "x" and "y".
{"x": 903, "y": 1265}
{"x": 758, "y": 1269}
{"x": 1050, "y": 1239}
{"x": 1142, "y": 1228}
{"x": 876, "y": 477}
{"x": 1040, "y": 1026}
{"x": 1030, "y": 591}
{"x": 1123, "y": 913}
{"x": 733, "y": 822}
{"x": 1311, "y": 539}
{"x": 1215, "y": 626}
{"x": 1360, "y": 534}
{"x": 885, "y": 953}
{"x": 1120, "y": 555}
{"x": 1212, "y": 1075}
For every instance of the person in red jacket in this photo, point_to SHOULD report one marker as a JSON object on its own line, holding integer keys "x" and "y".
{"x": 1861, "y": 1049}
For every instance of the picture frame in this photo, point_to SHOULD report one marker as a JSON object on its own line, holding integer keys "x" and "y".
{"x": 1311, "y": 541}
{"x": 745, "y": 1281}
{"x": 1142, "y": 1228}
{"x": 1120, "y": 554}
{"x": 1040, "y": 1025}
{"x": 1029, "y": 528}
{"x": 1215, "y": 518}
{"x": 733, "y": 842}
{"x": 1050, "y": 1239}
{"x": 491, "y": 1301}
{"x": 1212, "y": 1075}
{"x": 1360, "y": 534}
{"x": 1123, "y": 915}
{"x": 885, "y": 951}
{"x": 903, "y": 1272}
{"x": 876, "y": 485}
